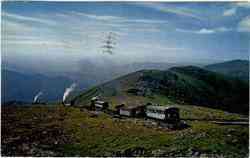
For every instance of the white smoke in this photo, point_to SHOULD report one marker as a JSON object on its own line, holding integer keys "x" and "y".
{"x": 37, "y": 96}
{"x": 68, "y": 91}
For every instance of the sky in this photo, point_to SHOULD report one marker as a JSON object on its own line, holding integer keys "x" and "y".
{"x": 59, "y": 34}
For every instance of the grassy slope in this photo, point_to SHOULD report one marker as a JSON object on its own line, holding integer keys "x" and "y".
{"x": 85, "y": 135}
{"x": 183, "y": 85}
{"x": 215, "y": 90}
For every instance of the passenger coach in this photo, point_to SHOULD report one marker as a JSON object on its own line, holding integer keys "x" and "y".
{"x": 165, "y": 113}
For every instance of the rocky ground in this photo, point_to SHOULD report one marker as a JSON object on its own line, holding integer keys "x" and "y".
{"x": 37, "y": 133}
{"x": 68, "y": 131}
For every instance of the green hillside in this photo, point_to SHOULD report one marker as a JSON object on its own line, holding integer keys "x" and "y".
{"x": 182, "y": 85}
{"x": 235, "y": 68}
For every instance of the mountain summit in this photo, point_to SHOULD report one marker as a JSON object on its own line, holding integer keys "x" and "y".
{"x": 234, "y": 68}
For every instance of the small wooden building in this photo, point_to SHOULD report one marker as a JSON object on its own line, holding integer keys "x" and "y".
{"x": 165, "y": 113}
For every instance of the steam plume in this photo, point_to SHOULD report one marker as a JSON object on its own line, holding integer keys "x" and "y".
{"x": 37, "y": 96}
{"x": 68, "y": 91}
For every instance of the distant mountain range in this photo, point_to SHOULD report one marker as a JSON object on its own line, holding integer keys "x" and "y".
{"x": 235, "y": 68}
{"x": 184, "y": 85}
{"x": 23, "y": 87}
{"x": 91, "y": 73}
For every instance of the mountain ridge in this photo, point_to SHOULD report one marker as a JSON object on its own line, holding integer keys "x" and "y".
{"x": 235, "y": 68}
{"x": 23, "y": 87}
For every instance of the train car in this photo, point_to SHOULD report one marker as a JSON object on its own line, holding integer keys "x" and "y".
{"x": 118, "y": 107}
{"x": 131, "y": 111}
{"x": 164, "y": 113}
{"x": 101, "y": 105}
{"x": 97, "y": 104}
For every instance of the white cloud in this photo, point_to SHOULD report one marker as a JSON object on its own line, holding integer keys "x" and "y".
{"x": 243, "y": 4}
{"x": 145, "y": 21}
{"x": 158, "y": 47}
{"x": 73, "y": 35}
{"x": 119, "y": 19}
{"x": 103, "y": 23}
{"x": 12, "y": 27}
{"x": 21, "y": 38}
{"x": 141, "y": 29}
{"x": 99, "y": 17}
{"x": 174, "y": 10}
{"x": 28, "y": 18}
{"x": 244, "y": 25}
{"x": 149, "y": 30}
{"x": 230, "y": 12}
{"x": 35, "y": 42}
{"x": 205, "y": 30}
{"x": 223, "y": 29}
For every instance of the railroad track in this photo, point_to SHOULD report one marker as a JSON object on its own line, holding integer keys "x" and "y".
{"x": 221, "y": 121}
{"x": 244, "y": 121}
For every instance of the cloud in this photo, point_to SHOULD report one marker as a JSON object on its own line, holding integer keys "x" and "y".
{"x": 243, "y": 4}
{"x": 104, "y": 23}
{"x": 12, "y": 27}
{"x": 143, "y": 29}
{"x": 230, "y": 12}
{"x": 99, "y": 17}
{"x": 174, "y": 10}
{"x": 28, "y": 18}
{"x": 36, "y": 42}
{"x": 223, "y": 29}
{"x": 40, "y": 43}
{"x": 71, "y": 35}
{"x": 146, "y": 21}
{"x": 205, "y": 30}
{"x": 158, "y": 47}
{"x": 19, "y": 38}
{"x": 244, "y": 25}
{"x": 119, "y": 19}
{"x": 149, "y": 30}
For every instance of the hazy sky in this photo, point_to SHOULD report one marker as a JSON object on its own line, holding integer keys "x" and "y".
{"x": 61, "y": 33}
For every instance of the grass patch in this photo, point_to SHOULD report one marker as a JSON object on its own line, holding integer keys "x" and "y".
{"x": 88, "y": 135}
